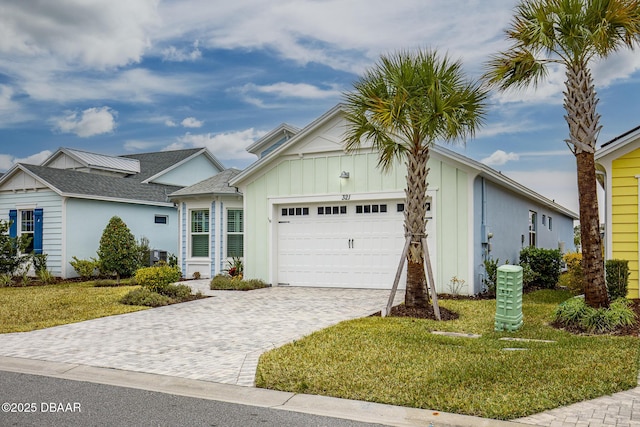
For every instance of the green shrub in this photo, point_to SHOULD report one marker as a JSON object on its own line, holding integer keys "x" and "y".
{"x": 546, "y": 263}
{"x": 5, "y": 280}
{"x": 574, "y": 279}
{"x": 529, "y": 276}
{"x": 158, "y": 277}
{"x": 45, "y": 276}
{"x": 85, "y": 268}
{"x": 146, "y": 297}
{"x": 39, "y": 262}
{"x": 576, "y": 314}
{"x": 491, "y": 276}
{"x": 118, "y": 250}
{"x": 178, "y": 293}
{"x": 223, "y": 282}
{"x": 617, "y": 277}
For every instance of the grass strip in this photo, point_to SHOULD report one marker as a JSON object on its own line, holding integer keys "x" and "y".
{"x": 399, "y": 361}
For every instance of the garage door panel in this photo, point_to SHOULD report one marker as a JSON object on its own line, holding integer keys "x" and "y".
{"x": 356, "y": 244}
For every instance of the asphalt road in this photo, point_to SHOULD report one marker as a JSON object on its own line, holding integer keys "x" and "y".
{"x": 32, "y": 400}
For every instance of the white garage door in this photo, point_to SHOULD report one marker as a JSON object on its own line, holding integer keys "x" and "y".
{"x": 348, "y": 244}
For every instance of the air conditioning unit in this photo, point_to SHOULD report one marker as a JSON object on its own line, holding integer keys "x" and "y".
{"x": 156, "y": 255}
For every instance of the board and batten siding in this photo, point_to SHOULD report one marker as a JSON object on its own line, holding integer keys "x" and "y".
{"x": 318, "y": 175}
{"x": 624, "y": 214}
{"x": 52, "y": 206}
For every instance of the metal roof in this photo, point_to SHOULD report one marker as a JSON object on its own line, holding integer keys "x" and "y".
{"x": 103, "y": 161}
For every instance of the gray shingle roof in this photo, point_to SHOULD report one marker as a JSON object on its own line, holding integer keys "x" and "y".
{"x": 77, "y": 183}
{"x": 217, "y": 184}
{"x": 153, "y": 163}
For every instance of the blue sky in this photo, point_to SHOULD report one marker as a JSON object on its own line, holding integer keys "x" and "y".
{"x": 122, "y": 76}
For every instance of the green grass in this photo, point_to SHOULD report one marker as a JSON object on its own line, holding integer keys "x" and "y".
{"x": 35, "y": 307}
{"x": 398, "y": 361}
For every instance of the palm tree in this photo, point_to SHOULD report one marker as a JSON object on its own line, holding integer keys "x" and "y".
{"x": 571, "y": 33}
{"x": 405, "y": 103}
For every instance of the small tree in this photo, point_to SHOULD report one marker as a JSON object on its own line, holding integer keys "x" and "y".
{"x": 12, "y": 250}
{"x": 118, "y": 252}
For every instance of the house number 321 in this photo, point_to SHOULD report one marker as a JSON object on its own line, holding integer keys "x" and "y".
{"x": 346, "y": 197}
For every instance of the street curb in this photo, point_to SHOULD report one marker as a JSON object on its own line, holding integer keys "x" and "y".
{"x": 304, "y": 403}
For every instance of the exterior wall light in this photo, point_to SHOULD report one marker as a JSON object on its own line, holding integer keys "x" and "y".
{"x": 344, "y": 175}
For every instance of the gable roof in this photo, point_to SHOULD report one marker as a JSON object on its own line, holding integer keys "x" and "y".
{"x": 272, "y": 139}
{"x": 71, "y": 183}
{"x": 618, "y": 142}
{"x": 479, "y": 168}
{"x": 216, "y": 185}
{"x": 154, "y": 165}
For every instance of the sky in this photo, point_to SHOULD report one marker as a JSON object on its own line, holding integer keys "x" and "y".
{"x": 121, "y": 76}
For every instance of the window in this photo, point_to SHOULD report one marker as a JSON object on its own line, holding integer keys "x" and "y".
{"x": 544, "y": 219}
{"x": 27, "y": 227}
{"x": 550, "y": 224}
{"x": 235, "y": 230}
{"x": 295, "y": 211}
{"x": 161, "y": 219}
{"x": 371, "y": 209}
{"x": 200, "y": 233}
{"x": 532, "y": 228}
{"x": 332, "y": 210}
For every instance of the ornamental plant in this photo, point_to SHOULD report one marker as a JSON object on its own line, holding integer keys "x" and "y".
{"x": 118, "y": 251}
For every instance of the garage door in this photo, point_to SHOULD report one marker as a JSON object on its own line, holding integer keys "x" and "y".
{"x": 348, "y": 244}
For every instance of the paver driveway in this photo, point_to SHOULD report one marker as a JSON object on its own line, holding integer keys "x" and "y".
{"x": 214, "y": 339}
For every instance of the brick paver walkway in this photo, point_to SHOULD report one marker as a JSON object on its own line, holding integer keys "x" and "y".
{"x": 214, "y": 339}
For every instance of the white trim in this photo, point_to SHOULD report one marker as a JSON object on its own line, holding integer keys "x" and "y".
{"x": 471, "y": 235}
{"x": 26, "y": 206}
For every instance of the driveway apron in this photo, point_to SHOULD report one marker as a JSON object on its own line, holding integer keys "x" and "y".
{"x": 215, "y": 339}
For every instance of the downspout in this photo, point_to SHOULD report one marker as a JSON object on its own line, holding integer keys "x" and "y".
{"x": 601, "y": 177}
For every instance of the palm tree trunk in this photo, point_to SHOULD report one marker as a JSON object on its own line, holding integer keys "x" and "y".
{"x": 595, "y": 288}
{"x": 583, "y": 120}
{"x": 416, "y": 294}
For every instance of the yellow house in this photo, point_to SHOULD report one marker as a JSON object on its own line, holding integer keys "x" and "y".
{"x": 618, "y": 169}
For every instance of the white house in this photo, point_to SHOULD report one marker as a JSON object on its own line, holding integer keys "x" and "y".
{"x": 318, "y": 216}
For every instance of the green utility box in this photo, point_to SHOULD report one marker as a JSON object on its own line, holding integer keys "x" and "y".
{"x": 509, "y": 298}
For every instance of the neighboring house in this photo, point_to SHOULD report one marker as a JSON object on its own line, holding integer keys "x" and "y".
{"x": 618, "y": 167}
{"x": 317, "y": 216}
{"x": 210, "y": 225}
{"x": 66, "y": 202}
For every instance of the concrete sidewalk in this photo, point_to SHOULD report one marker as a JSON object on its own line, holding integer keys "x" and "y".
{"x": 309, "y": 404}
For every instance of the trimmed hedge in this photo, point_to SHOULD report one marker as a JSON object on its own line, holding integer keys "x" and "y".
{"x": 545, "y": 263}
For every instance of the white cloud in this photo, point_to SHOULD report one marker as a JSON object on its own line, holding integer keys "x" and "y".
{"x": 560, "y": 186}
{"x": 170, "y": 123}
{"x": 134, "y": 145}
{"x": 225, "y": 146}
{"x": 103, "y": 33}
{"x": 258, "y": 94}
{"x": 7, "y": 161}
{"x": 499, "y": 158}
{"x": 90, "y": 122}
{"x": 191, "y": 122}
{"x": 181, "y": 55}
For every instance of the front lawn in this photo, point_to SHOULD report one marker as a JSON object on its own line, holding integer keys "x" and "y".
{"x": 35, "y": 307}
{"x": 400, "y": 362}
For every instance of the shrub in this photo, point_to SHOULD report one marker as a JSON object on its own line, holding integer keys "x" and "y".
{"x": 12, "y": 250}
{"x": 146, "y": 297}
{"x": 617, "y": 277}
{"x": 546, "y": 263}
{"x": 84, "y": 268}
{"x": 45, "y": 276}
{"x": 491, "y": 276}
{"x": 118, "y": 251}
{"x": 235, "y": 267}
{"x": 576, "y": 314}
{"x": 178, "y": 293}
{"x": 5, "y": 280}
{"x": 222, "y": 282}
{"x": 529, "y": 276}
{"x": 39, "y": 262}
{"x": 574, "y": 278}
{"x": 158, "y": 277}
{"x": 143, "y": 252}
